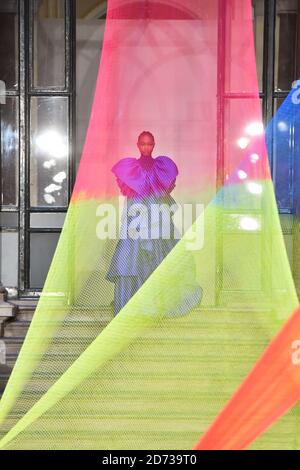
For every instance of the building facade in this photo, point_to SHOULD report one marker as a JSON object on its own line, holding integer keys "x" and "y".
{"x": 49, "y": 56}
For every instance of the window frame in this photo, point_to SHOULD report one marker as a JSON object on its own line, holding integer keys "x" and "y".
{"x": 26, "y": 92}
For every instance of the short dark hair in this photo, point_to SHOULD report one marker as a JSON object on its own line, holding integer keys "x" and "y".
{"x": 148, "y": 133}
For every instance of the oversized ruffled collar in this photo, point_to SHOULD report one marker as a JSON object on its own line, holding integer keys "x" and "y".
{"x": 146, "y": 175}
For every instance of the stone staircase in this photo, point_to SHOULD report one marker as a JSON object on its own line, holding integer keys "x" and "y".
{"x": 14, "y": 325}
{"x": 15, "y": 320}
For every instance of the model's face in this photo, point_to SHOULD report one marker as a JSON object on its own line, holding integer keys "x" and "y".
{"x": 146, "y": 145}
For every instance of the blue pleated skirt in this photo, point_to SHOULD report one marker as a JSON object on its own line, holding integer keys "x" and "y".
{"x": 134, "y": 260}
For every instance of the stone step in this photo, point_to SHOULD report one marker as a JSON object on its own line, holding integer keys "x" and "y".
{"x": 75, "y": 336}
{"x": 63, "y": 359}
{"x": 4, "y": 376}
{"x": 11, "y": 359}
{"x": 76, "y": 330}
{"x": 16, "y": 329}
{"x": 27, "y": 303}
{"x": 25, "y": 309}
{"x": 25, "y": 315}
{"x": 13, "y": 345}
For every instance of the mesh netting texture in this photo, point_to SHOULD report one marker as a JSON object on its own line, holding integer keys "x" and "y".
{"x": 140, "y": 340}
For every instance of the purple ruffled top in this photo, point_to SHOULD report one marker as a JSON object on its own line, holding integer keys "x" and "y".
{"x": 145, "y": 175}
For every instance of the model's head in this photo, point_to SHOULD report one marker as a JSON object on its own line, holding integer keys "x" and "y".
{"x": 146, "y": 143}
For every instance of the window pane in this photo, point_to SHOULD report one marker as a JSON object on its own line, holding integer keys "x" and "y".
{"x": 39, "y": 265}
{"x": 258, "y": 28}
{"x": 89, "y": 39}
{"x": 286, "y": 53}
{"x": 283, "y": 159}
{"x": 49, "y": 152}
{"x": 47, "y": 220}
{"x": 254, "y": 247}
{"x": 9, "y": 142}
{"x": 237, "y": 138}
{"x": 9, "y": 43}
{"x": 236, "y": 81}
{"x": 91, "y": 9}
{"x": 9, "y": 258}
{"x": 9, "y": 220}
{"x": 49, "y": 44}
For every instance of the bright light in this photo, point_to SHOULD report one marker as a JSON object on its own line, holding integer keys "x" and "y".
{"x": 282, "y": 126}
{"x": 243, "y": 142}
{"x": 49, "y": 164}
{"x": 254, "y": 188}
{"x": 52, "y": 188}
{"x": 60, "y": 177}
{"x": 49, "y": 198}
{"x": 52, "y": 143}
{"x": 254, "y": 158}
{"x": 249, "y": 223}
{"x": 242, "y": 174}
{"x": 254, "y": 129}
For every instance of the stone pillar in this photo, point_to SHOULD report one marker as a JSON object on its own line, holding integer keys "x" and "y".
{"x": 7, "y": 310}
